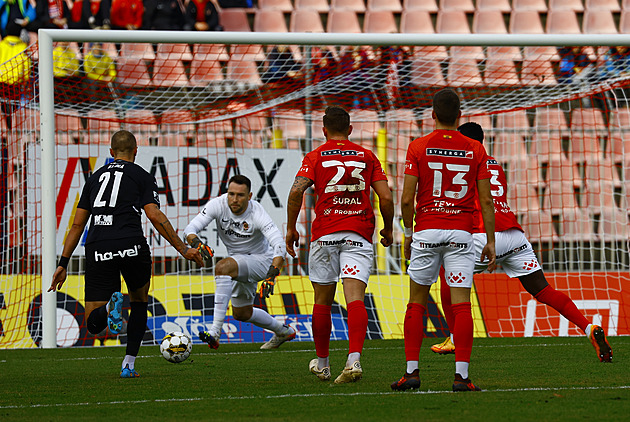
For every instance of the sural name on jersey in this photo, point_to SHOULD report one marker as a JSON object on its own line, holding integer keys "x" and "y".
{"x": 106, "y": 256}
{"x": 346, "y": 201}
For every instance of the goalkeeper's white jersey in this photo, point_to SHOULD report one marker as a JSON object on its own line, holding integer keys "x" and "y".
{"x": 252, "y": 232}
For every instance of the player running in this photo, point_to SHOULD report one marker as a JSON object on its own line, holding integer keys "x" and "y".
{"x": 341, "y": 236}
{"x": 256, "y": 250}
{"x": 516, "y": 256}
{"x": 114, "y": 197}
{"x": 445, "y": 166}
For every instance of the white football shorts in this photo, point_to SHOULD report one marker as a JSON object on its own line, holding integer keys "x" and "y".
{"x": 514, "y": 253}
{"x": 251, "y": 270}
{"x": 340, "y": 255}
{"x": 433, "y": 248}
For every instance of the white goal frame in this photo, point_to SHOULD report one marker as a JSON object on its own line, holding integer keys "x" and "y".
{"x": 46, "y": 96}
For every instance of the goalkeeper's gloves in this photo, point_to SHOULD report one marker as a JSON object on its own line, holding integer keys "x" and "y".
{"x": 205, "y": 250}
{"x": 266, "y": 288}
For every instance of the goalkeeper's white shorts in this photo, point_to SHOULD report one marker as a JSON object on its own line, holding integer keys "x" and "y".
{"x": 251, "y": 270}
{"x": 340, "y": 255}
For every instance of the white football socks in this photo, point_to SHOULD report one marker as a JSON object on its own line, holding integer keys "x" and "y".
{"x": 323, "y": 362}
{"x": 461, "y": 368}
{"x": 412, "y": 365}
{"x": 588, "y": 330}
{"x": 264, "y": 320}
{"x": 222, "y": 294}
{"x": 352, "y": 358}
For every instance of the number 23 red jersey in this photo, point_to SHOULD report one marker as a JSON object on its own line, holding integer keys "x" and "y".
{"x": 343, "y": 173}
{"x": 447, "y": 165}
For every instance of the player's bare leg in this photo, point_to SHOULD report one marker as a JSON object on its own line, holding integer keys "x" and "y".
{"x": 354, "y": 292}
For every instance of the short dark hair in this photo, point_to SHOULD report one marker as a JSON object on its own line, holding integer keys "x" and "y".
{"x": 446, "y": 106}
{"x": 239, "y": 179}
{"x": 337, "y": 120}
{"x": 472, "y": 130}
{"x": 123, "y": 142}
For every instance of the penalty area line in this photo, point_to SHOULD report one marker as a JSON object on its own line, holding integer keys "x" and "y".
{"x": 298, "y": 396}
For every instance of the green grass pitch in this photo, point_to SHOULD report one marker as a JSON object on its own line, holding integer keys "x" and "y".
{"x": 524, "y": 379}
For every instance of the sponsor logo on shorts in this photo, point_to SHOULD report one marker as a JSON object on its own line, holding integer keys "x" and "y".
{"x": 510, "y": 252}
{"x": 103, "y": 220}
{"x": 456, "y": 278}
{"x": 107, "y": 256}
{"x": 456, "y": 245}
{"x": 348, "y": 270}
{"x": 340, "y": 242}
{"x": 530, "y": 265}
{"x": 449, "y": 153}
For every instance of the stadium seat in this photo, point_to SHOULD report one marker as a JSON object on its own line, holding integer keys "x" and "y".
{"x": 535, "y": 5}
{"x": 602, "y": 171}
{"x": 269, "y": 20}
{"x": 500, "y": 72}
{"x": 282, "y": 5}
{"x": 214, "y": 133}
{"x": 354, "y": 5}
{"x": 562, "y": 21}
{"x": 291, "y": 123}
{"x": 427, "y": 122}
{"x": 488, "y": 22}
{"x": 143, "y": 124}
{"x": 389, "y": 5}
{"x": 463, "y": 5}
{"x": 252, "y": 52}
{"x": 504, "y": 53}
{"x": 137, "y": 51}
{"x": 174, "y": 52}
{"x": 419, "y": 22}
{"x": 613, "y": 225}
{"x": 559, "y": 196}
{"x": 577, "y": 226}
{"x": 550, "y": 128}
{"x": 205, "y": 71}
{"x": 427, "y": 5}
{"x": 599, "y": 21}
{"x": 538, "y": 226}
{"x": 573, "y": 5}
{"x": 452, "y": 22}
{"x": 526, "y": 21}
{"x": 343, "y": 21}
{"x": 401, "y": 121}
{"x": 500, "y": 5}
{"x": 243, "y": 71}
{"x": 561, "y": 170}
{"x": 587, "y": 127}
{"x": 234, "y": 19}
{"x": 610, "y": 5}
{"x": 251, "y": 131}
{"x": 426, "y": 72}
{"x": 522, "y": 198}
{"x": 537, "y": 72}
{"x": 319, "y": 5}
{"x": 509, "y": 147}
{"x": 513, "y": 120}
{"x": 365, "y": 126}
{"x": 484, "y": 120}
{"x": 624, "y": 22}
{"x": 101, "y": 124}
{"x": 68, "y": 126}
{"x": 132, "y": 72}
{"x": 619, "y": 142}
{"x": 380, "y": 21}
{"x": 169, "y": 73}
{"x": 467, "y": 52}
{"x": 217, "y": 52}
{"x": 177, "y": 128}
{"x": 306, "y": 20}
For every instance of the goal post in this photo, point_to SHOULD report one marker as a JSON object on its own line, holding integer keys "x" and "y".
{"x": 507, "y": 98}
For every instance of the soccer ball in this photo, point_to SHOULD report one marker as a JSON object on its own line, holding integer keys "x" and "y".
{"x": 176, "y": 347}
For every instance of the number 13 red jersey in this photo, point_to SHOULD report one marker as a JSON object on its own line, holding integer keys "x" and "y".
{"x": 343, "y": 173}
{"x": 447, "y": 165}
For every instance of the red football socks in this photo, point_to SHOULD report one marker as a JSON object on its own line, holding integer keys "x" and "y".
{"x": 322, "y": 326}
{"x": 414, "y": 331}
{"x": 563, "y": 304}
{"x": 463, "y": 332}
{"x": 357, "y": 325}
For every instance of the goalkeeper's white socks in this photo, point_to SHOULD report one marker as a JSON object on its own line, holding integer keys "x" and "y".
{"x": 129, "y": 360}
{"x": 262, "y": 319}
{"x": 222, "y": 294}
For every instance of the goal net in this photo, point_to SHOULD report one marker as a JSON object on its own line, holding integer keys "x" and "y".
{"x": 203, "y": 111}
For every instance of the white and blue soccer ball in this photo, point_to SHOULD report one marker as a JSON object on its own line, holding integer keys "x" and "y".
{"x": 176, "y": 347}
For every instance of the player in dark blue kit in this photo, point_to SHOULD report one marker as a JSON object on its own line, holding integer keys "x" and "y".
{"x": 114, "y": 196}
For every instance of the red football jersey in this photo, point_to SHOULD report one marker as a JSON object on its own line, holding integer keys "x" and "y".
{"x": 447, "y": 165}
{"x": 504, "y": 218}
{"x": 343, "y": 173}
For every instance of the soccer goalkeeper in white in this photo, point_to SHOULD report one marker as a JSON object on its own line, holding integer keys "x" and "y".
{"x": 256, "y": 250}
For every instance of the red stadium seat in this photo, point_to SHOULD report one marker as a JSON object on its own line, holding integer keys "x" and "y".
{"x": 176, "y": 128}
{"x": 426, "y": 72}
{"x": 214, "y": 133}
{"x": 101, "y": 124}
{"x": 577, "y": 226}
{"x": 343, "y": 21}
{"x": 419, "y": 22}
{"x": 401, "y": 121}
{"x": 559, "y": 196}
{"x": 306, "y": 20}
{"x": 515, "y": 120}
{"x": 550, "y": 127}
{"x": 132, "y": 72}
{"x": 561, "y": 170}
{"x": 169, "y": 73}
{"x": 292, "y": 125}
{"x": 252, "y": 131}
{"x": 537, "y": 73}
{"x": 389, "y": 5}
{"x": 452, "y": 22}
{"x": 380, "y": 21}
{"x": 243, "y": 71}
{"x": 619, "y": 142}
{"x": 142, "y": 123}
{"x": 525, "y": 21}
{"x": 252, "y": 52}
{"x": 562, "y": 21}
{"x": 68, "y": 126}
{"x": 500, "y": 5}
{"x": 174, "y": 52}
{"x": 427, "y": 5}
{"x": 234, "y": 19}
{"x": 205, "y": 71}
{"x": 573, "y": 5}
{"x": 504, "y": 53}
{"x": 535, "y": 5}
{"x": 365, "y": 126}
{"x": 624, "y": 22}
{"x": 599, "y": 21}
{"x": 467, "y": 52}
{"x": 318, "y": 5}
{"x": 522, "y": 198}
{"x": 538, "y": 227}
{"x": 463, "y": 72}
{"x": 610, "y": 5}
{"x": 613, "y": 225}
{"x": 282, "y": 5}
{"x": 587, "y": 127}
{"x": 269, "y": 20}
{"x": 488, "y": 22}
{"x": 217, "y": 52}
{"x": 509, "y": 147}
{"x": 463, "y": 5}
{"x": 501, "y": 72}
{"x": 137, "y": 51}
{"x": 354, "y": 5}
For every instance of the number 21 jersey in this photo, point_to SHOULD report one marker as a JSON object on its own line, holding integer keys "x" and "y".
{"x": 343, "y": 173}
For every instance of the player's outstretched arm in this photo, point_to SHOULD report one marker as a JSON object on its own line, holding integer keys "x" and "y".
{"x": 205, "y": 250}
{"x": 407, "y": 208}
{"x": 294, "y": 204}
{"x": 164, "y": 227}
{"x": 81, "y": 218}
{"x": 386, "y": 206}
{"x": 487, "y": 214}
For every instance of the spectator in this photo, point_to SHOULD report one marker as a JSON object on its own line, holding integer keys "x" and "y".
{"x": 202, "y": 15}
{"x": 226, "y": 4}
{"x": 575, "y": 65}
{"x": 19, "y": 12}
{"x": 354, "y": 66}
{"x": 52, "y": 13}
{"x": 15, "y": 67}
{"x": 616, "y": 62}
{"x": 127, "y": 14}
{"x": 325, "y": 67}
{"x": 90, "y": 14}
{"x": 281, "y": 66}
{"x": 165, "y": 15}
{"x": 100, "y": 72}
{"x": 66, "y": 73}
